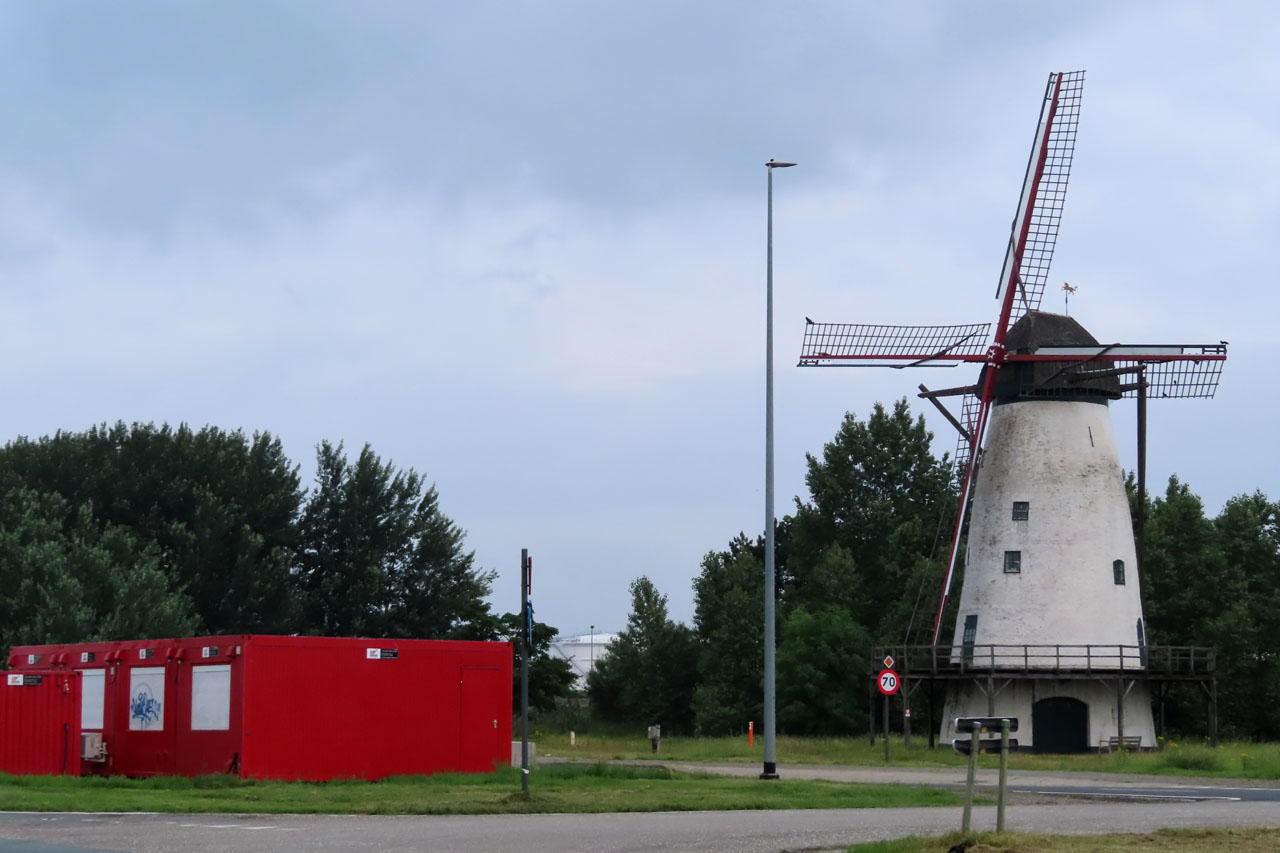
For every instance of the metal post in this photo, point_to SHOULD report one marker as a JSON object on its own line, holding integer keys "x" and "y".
{"x": 968, "y": 784}
{"x": 1120, "y": 711}
{"x": 525, "y": 631}
{"x": 1004, "y": 774}
{"x": 906, "y": 714}
{"x": 770, "y": 722}
{"x": 1164, "y": 689}
{"x": 931, "y": 692}
{"x": 871, "y": 713}
{"x": 886, "y": 728}
{"x": 1213, "y": 715}
{"x": 1142, "y": 471}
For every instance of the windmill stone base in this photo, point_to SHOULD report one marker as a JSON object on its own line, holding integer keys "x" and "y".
{"x": 1058, "y": 715}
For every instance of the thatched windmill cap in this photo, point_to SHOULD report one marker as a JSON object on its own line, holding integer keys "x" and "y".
{"x": 1037, "y": 329}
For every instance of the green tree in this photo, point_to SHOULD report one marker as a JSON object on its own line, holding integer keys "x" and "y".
{"x": 1194, "y": 597}
{"x": 728, "y": 619}
{"x": 880, "y": 494}
{"x": 379, "y": 558}
{"x": 1248, "y": 530}
{"x": 648, "y": 675}
{"x": 822, "y": 659}
{"x": 220, "y": 508}
{"x": 81, "y": 583}
{"x": 1190, "y": 589}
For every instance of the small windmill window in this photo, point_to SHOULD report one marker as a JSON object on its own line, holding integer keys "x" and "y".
{"x": 1117, "y": 570}
{"x": 1021, "y": 510}
{"x": 1012, "y": 562}
{"x": 970, "y": 636}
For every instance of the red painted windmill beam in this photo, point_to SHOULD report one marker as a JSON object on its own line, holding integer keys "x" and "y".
{"x": 1114, "y": 353}
{"x": 1116, "y": 356}
{"x": 810, "y": 359}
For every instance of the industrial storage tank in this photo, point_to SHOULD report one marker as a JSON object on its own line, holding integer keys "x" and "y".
{"x": 583, "y": 652}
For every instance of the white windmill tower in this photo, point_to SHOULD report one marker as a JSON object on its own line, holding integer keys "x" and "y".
{"x": 1051, "y": 605}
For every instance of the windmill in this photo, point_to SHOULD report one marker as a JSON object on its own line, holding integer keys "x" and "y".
{"x": 1049, "y": 532}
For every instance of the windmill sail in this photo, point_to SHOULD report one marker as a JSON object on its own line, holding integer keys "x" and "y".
{"x": 1044, "y": 189}
{"x": 871, "y": 345}
{"x": 969, "y": 409}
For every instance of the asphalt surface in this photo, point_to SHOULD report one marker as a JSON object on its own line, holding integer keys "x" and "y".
{"x": 1094, "y": 786}
{"x": 1098, "y": 804}
{"x": 701, "y": 832}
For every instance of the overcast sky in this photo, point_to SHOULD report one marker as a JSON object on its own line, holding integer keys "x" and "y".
{"x": 520, "y": 247}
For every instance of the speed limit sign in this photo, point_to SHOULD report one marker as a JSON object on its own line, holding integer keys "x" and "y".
{"x": 888, "y": 682}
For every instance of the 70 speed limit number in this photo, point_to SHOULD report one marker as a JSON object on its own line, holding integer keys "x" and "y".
{"x": 888, "y": 682}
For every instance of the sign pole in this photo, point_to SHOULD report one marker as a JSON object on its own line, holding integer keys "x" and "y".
{"x": 968, "y": 784}
{"x": 975, "y": 726}
{"x": 525, "y": 631}
{"x": 886, "y": 728}
{"x": 889, "y": 684}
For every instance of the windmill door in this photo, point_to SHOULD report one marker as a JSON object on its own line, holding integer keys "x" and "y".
{"x": 1060, "y": 725}
{"x": 485, "y": 719}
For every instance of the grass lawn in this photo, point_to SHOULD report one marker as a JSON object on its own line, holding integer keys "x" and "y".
{"x": 1176, "y": 840}
{"x": 1231, "y": 760}
{"x": 553, "y": 788}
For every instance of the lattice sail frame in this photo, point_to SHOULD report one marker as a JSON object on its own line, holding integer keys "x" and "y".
{"x": 1044, "y": 191}
{"x": 970, "y": 408}
{"x": 1167, "y": 371}
{"x": 872, "y": 345}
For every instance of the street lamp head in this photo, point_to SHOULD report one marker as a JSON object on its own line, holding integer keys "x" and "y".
{"x": 778, "y": 164}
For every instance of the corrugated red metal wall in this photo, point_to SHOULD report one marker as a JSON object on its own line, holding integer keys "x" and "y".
{"x": 39, "y": 722}
{"x": 324, "y": 708}
{"x": 313, "y": 708}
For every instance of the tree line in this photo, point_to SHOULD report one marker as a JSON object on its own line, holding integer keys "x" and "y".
{"x": 140, "y": 531}
{"x": 859, "y": 563}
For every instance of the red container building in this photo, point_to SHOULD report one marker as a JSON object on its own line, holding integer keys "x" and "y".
{"x": 39, "y": 722}
{"x": 267, "y": 707}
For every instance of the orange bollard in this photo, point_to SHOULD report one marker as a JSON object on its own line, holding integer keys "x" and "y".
{"x": 751, "y": 734}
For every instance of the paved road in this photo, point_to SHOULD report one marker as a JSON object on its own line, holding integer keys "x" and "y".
{"x": 702, "y": 832}
{"x": 1100, "y": 803}
{"x": 1096, "y": 786}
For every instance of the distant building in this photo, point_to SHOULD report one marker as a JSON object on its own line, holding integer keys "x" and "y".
{"x": 583, "y": 652}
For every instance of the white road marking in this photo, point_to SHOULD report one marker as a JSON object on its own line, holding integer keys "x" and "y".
{"x": 233, "y": 826}
{"x": 1136, "y": 796}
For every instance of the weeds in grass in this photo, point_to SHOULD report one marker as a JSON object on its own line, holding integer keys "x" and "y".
{"x": 1199, "y": 758}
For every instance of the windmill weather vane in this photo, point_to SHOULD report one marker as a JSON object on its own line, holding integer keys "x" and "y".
{"x": 1050, "y": 529}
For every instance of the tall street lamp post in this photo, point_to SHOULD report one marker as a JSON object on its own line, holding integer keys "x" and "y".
{"x": 770, "y": 721}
